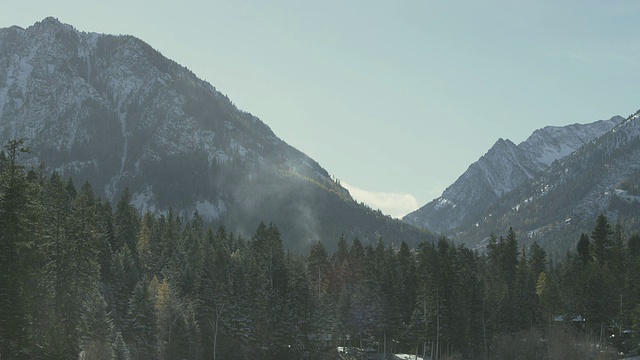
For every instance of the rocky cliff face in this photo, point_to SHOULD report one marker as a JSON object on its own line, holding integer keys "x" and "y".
{"x": 600, "y": 177}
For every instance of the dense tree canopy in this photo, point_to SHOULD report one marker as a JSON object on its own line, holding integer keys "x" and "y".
{"x": 79, "y": 278}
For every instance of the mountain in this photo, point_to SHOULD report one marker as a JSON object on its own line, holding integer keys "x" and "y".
{"x": 502, "y": 169}
{"x": 601, "y": 177}
{"x": 113, "y": 111}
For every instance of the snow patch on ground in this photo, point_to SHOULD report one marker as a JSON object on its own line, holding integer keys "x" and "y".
{"x": 76, "y": 166}
{"x": 144, "y": 201}
{"x": 221, "y": 157}
{"x": 239, "y": 148}
{"x": 626, "y": 196}
{"x": 351, "y": 352}
{"x": 442, "y": 202}
{"x": 209, "y": 211}
{"x": 407, "y": 357}
{"x": 549, "y": 154}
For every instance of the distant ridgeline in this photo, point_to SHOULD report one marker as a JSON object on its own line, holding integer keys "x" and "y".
{"x": 550, "y": 187}
{"x": 83, "y": 280}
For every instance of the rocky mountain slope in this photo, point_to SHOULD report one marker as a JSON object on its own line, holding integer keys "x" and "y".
{"x": 502, "y": 169}
{"x": 601, "y": 177}
{"x": 113, "y": 111}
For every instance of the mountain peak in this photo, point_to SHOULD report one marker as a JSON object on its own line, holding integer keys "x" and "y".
{"x": 50, "y": 25}
{"x": 502, "y": 145}
{"x": 114, "y": 112}
{"x": 502, "y": 169}
{"x": 553, "y": 143}
{"x": 49, "y": 21}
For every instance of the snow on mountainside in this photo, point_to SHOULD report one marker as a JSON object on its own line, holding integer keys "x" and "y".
{"x": 503, "y": 168}
{"x": 109, "y": 108}
{"x": 552, "y": 143}
{"x": 601, "y": 177}
{"x": 113, "y": 111}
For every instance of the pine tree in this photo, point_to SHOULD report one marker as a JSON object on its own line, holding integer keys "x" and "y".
{"x": 160, "y": 293}
{"x": 537, "y": 260}
{"x": 632, "y": 280}
{"x": 406, "y": 294}
{"x": 77, "y": 271}
{"x": 584, "y": 248}
{"x": 60, "y": 275}
{"x": 356, "y": 259}
{"x": 526, "y": 305}
{"x": 600, "y": 305}
{"x": 97, "y": 327}
{"x": 16, "y": 252}
{"x": 126, "y": 223}
{"x": 503, "y": 264}
{"x": 169, "y": 228}
{"x": 268, "y": 271}
{"x": 107, "y": 239}
{"x": 634, "y": 245}
{"x": 194, "y": 248}
{"x": 216, "y": 288}
{"x": 141, "y": 323}
{"x": 602, "y": 242}
{"x": 120, "y": 349}
{"x": 341, "y": 265}
{"x": 298, "y": 308}
{"x": 467, "y": 306}
{"x": 143, "y": 247}
{"x": 125, "y": 278}
{"x": 319, "y": 269}
{"x": 241, "y": 322}
{"x": 427, "y": 295}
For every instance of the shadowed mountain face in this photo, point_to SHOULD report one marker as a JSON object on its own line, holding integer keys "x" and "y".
{"x": 550, "y": 188}
{"x": 113, "y": 111}
{"x": 502, "y": 169}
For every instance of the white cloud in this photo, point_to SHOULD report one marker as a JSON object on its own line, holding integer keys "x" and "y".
{"x": 395, "y": 204}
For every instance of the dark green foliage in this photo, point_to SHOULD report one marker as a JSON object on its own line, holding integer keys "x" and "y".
{"x": 141, "y": 323}
{"x": 319, "y": 268}
{"x": 17, "y": 252}
{"x": 125, "y": 223}
{"x": 602, "y": 242}
{"x": 78, "y": 278}
{"x": 538, "y": 261}
{"x": 583, "y": 248}
{"x": 634, "y": 245}
{"x": 97, "y": 327}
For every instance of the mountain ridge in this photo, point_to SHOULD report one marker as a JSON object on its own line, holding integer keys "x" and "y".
{"x": 502, "y": 169}
{"x": 558, "y": 207}
{"x": 113, "y": 111}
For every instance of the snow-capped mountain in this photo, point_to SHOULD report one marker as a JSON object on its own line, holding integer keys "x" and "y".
{"x": 502, "y": 169}
{"x": 601, "y": 177}
{"x": 113, "y": 111}
{"x": 552, "y": 143}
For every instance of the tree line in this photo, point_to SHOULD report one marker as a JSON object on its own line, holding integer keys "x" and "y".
{"x": 79, "y": 278}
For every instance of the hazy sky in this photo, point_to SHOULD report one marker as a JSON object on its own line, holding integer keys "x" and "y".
{"x": 394, "y": 98}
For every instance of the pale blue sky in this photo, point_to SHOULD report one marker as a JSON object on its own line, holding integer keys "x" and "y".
{"x": 390, "y": 97}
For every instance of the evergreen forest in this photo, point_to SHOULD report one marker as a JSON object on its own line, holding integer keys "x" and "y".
{"x": 80, "y": 279}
